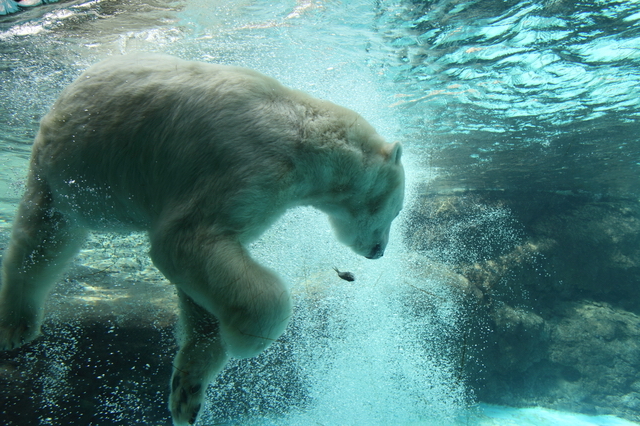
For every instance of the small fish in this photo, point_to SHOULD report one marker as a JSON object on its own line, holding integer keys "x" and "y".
{"x": 347, "y": 276}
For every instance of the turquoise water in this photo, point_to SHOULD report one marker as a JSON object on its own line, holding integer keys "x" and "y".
{"x": 491, "y": 95}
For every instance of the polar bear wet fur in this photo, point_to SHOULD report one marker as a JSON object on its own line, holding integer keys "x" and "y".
{"x": 204, "y": 158}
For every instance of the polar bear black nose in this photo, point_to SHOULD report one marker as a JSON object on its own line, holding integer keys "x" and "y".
{"x": 376, "y": 252}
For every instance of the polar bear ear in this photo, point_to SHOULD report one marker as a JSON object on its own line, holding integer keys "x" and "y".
{"x": 394, "y": 152}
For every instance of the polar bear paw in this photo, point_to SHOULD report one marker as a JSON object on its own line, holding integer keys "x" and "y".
{"x": 15, "y": 331}
{"x": 187, "y": 393}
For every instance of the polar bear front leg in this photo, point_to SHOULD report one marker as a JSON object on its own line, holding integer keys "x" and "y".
{"x": 199, "y": 360}
{"x": 250, "y": 301}
{"x": 220, "y": 281}
{"x": 253, "y": 305}
{"x": 42, "y": 242}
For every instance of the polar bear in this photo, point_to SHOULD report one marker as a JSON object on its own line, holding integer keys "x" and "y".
{"x": 204, "y": 158}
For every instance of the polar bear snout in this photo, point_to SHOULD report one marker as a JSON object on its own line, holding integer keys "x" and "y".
{"x": 376, "y": 252}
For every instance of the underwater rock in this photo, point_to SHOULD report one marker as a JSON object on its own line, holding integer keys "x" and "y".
{"x": 597, "y": 347}
{"x": 587, "y": 361}
{"x": 558, "y": 324}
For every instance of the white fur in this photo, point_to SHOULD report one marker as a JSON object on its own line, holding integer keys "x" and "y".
{"x": 203, "y": 157}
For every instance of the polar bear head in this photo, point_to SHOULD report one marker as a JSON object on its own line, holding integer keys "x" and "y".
{"x": 372, "y": 202}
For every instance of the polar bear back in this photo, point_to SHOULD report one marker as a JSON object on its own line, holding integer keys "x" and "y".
{"x": 136, "y": 133}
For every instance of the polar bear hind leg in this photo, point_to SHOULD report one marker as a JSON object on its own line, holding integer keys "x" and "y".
{"x": 199, "y": 360}
{"x": 42, "y": 242}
